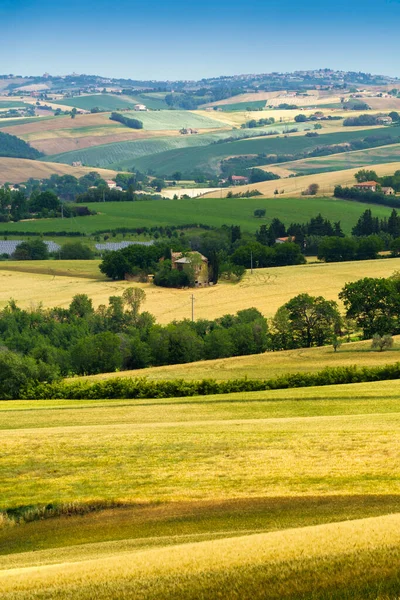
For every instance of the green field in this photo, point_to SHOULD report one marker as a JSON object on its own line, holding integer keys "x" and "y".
{"x": 11, "y": 103}
{"x": 188, "y": 153}
{"x": 243, "y": 106}
{"x": 208, "y": 158}
{"x": 112, "y": 102}
{"x": 175, "y": 119}
{"x": 102, "y": 101}
{"x": 202, "y": 211}
{"x": 24, "y": 121}
{"x": 281, "y": 494}
{"x": 347, "y": 160}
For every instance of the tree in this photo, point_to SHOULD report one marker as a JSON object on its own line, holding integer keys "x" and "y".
{"x": 73, "y": 113}
{"x": 300, "y": 118}
{"x": 382, "y": 342}
{"x": 312, "y": 320}
{"x": 134, "y": 298}
{"x": 337, "y": 249}
{"x": 47, "y": 200}
{"x": 312, "y": 190}
{"x": 75, "y": 251}
{"x": 394, "y": 115}
{"x": 99, "y": 353}
{"x": 33, "y": 250}
{"x": 366, "y": 175}
{"x": 372, "y": 303}
{"x": 260, "y": 212}
{"x": 158, "y": 184}
{"x": 336, "y": 343}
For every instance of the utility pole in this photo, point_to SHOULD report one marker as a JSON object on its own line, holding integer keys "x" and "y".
{"x": 192, "y": 307}
{"x": 251, "y": 261}
{"x": 62, "y": 210}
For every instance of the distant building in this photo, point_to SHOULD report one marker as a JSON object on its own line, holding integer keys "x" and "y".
{"x": 283, "y": 240}
{"x": 140, "y": 107}
{"x": 384, "y": 120}
{"x": 197, "y": 260}
{"x": 239, "y": 180}
{"x": 77, "y": 163}
{"x": 111, "y": 184}
{"x": 188, "y": 131}
{"x": 367, "y": 186}
{"x": 388, "y": 191}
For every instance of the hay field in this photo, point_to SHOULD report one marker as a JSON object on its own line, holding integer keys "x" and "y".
{"x": 17, "y": 170}
{"x": 269, "y": 494}
{"x": 294, "y": 186}
{"x": 266, "y": 289}
{"x": 270, "y": 364}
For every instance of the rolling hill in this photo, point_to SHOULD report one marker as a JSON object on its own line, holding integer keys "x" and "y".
{"x": 18, "y": 170}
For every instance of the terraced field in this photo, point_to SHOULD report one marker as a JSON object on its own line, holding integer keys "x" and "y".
{"x": 270, "y": 494}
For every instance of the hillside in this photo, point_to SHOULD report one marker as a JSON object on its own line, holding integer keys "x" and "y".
{"x": 213, "y": 211}
{"x": 294, "y": 186}
{"x": 53, "y": 284}
{"x": 193, "y": 497}
{"x": 12, "y": 146}
{"x": 18, "y": 170}
{"x": 270, "y": 364}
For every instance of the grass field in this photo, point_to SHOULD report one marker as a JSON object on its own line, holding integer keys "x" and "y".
{"x": 175, "y": 119}
{"x": 187, "y": 153}
{"x": 17, "y": 170}
{"x": 55, "y": 283}
{"x": 104, "y": 102}
{"x": 207, "y": 158}
{"x": 269, "y": 365}
{"x": 285, "y": 494}
{"x": 346, "y": 160}
{"x": 204, "y": 211}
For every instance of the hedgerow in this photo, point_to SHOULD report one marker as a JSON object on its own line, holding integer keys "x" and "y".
{"x": 141, "y": 388}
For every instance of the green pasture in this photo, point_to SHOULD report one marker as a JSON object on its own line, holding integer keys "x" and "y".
{"x": 346, "y": 160}
{"x": 24, "y": 121}
{"x": 102, "y": 101}
{"x": 202, "y": 211}
{"x": 243, "y": 106}
{"x": 175, "y": 119}
{"x": 207, "y": 158}
{"x": 187, "y": 153}
{"x": 125, "y": 154}
{"x": 11, "y": 103}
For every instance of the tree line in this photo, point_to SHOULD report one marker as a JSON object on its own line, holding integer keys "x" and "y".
{"x": 47, "y": 344}
{"x": 13, "y": 147}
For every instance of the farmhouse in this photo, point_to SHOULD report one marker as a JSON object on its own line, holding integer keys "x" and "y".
{"x": 388, "y": 191}
{"x": 283, "y": 240}
{"x": 140, "y": 107}
{"x": 367, "y": 186}
{"x": 194, "y": 259}
{"x": 239, "y": 179}
{"x": 111, "y": 184}
{"x": 384, "y": 120}
{"x": 188, "y": 131}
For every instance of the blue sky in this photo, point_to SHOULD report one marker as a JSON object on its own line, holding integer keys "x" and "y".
{"x": 176, "y": 39}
